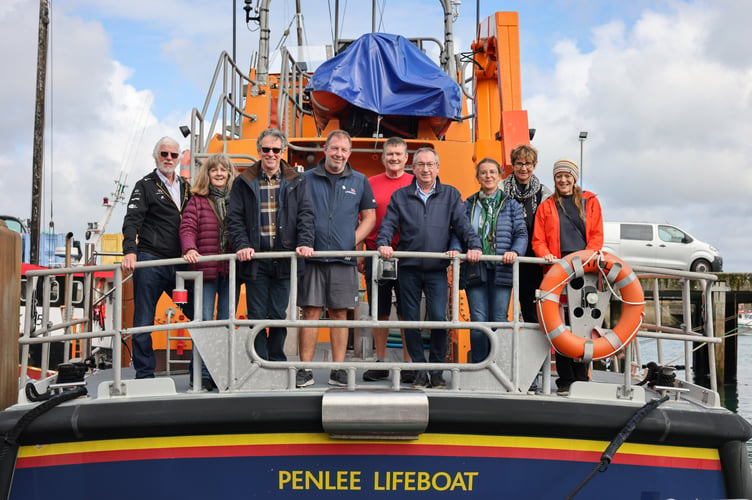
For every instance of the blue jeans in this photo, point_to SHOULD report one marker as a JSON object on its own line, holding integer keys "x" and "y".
{"x": 213, "y": 291}
{"x": 148, "y": 285}
{"x": 266, "y": 298}
{"x": 487, "y": 302}
{"x": 412, "y": 283}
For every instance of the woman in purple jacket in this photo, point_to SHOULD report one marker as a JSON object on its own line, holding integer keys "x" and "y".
{"x": 203, "y": 231}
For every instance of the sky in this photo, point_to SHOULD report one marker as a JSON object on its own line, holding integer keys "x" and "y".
{"x": 663, "y": 88}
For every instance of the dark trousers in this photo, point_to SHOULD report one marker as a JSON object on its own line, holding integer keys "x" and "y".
{"x": 531, "y": 276}
{"x": 148, "y": 285}
{"x": 570, "y": 371}
{"x": 266, "y": 298}
{"x": 412, "y": 284}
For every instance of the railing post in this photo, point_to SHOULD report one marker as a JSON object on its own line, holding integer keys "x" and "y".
{"x": 231, "y": 316}
{"x": 687, "y": 318}
{"x": 30, "y": 310}
{"x": 373, "y": 302}
{"x": 715, "y": 300}
{"x": 198, "y": 292}
{"x": 658, "y": 319}
{"x": 45, "y": 319}
{"x": 455, "y": 289}
{"x": 117, "y": 325}
{"x": 515, "y": 322}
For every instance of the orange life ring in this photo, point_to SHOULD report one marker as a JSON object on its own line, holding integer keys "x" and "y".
{"x": 620, "y": 277}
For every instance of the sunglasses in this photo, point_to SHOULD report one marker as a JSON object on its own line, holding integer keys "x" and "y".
{"x": 165, "y": 154}
{"x": 276, "y": 151}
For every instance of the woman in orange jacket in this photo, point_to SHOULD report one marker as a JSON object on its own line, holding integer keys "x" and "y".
{"x": 568, "y": 221}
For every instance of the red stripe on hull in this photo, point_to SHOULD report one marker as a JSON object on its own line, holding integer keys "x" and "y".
{"x": 361, "y": 449}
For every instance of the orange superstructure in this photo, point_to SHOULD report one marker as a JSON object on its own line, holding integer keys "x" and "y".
{"x": 491, "y": 125}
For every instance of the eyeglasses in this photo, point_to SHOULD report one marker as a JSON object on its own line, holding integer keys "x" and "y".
{"x": 524, "y": 165}
{"x": 421, "y": 165}
{"x": 276, "y": 151}
{"x": 165, "y": 154}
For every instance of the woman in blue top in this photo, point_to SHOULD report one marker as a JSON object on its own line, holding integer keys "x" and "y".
{"x": 498, "y": 220}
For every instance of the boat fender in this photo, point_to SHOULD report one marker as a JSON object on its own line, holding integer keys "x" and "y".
{"x": 618, "y": 276}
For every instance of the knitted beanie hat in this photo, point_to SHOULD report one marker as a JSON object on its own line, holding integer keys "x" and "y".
{"x": 568, "y": 166}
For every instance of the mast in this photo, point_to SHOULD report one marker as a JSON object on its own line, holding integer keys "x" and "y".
{"x": 38, "y": 148}
{"x": 299, "y": 16}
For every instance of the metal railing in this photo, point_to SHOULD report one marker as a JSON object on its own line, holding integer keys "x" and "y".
{"x": 223, "y": 112}
{"x": 510, "y": 381}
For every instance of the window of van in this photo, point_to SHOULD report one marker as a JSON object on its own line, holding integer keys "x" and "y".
{"x": 671, "y": 234}
{"x": 642, "y": 232}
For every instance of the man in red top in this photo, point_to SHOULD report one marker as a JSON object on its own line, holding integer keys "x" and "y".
{"x": 394, "y": 157}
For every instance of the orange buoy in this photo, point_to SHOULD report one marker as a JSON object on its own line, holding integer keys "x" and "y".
{"x": 185, "y": 164}
{"x": 599, "y": 344}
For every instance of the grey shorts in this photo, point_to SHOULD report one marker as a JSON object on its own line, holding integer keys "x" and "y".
{"x": 328, "y": 284}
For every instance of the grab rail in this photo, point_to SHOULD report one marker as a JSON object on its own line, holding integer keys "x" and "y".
{"x": 510, "y": 381}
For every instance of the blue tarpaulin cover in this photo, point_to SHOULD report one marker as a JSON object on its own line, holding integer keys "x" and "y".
{"x": 389, "y": 75}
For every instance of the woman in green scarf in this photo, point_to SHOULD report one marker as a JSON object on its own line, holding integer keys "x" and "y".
{"x": 498, "y": 220}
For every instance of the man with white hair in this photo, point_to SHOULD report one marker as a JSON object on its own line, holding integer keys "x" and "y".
{"x": 150, "y": 232}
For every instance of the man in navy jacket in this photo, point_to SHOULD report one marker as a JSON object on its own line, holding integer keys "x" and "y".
{"x": 345, "y": 212}
{"x": 426, "y": 213}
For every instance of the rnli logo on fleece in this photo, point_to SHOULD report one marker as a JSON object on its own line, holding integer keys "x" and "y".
{"x": 349, "y": 190}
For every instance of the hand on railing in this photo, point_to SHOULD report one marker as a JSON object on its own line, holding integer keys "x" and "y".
{"x": 245, "y": 254}
{"x": 474, "y": 255}
{"x": 129, "y": 262}
{"x": 191, "y": 256}
{"x": 509, "y": 257}
{"x": 304, "y": 251}
{"x": 386, "y": 252}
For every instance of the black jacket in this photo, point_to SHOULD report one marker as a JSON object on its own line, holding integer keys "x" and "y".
{"x": 295, "y": 226}
{"x": 154, "y": 218}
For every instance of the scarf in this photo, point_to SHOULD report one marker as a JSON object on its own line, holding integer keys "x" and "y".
{"x": 487, "y": 220}
{"x": 218, "y": 200}
{"x": 512, "y": 188}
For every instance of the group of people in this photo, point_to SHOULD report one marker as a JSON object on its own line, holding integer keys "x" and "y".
{"x": 272, "y": 206}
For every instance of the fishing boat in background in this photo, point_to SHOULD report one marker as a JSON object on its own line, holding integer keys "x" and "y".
{"x": 497, "y": 430}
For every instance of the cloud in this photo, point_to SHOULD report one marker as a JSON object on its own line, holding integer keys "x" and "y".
{"x": 664, "y": 94}
{"x": 668, "y": 121}
{"x": 95, "y": 120}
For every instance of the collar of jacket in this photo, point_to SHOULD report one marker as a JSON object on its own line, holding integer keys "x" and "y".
{"x": 251, "y": 173}
{"x": 185, "y": 187}
{"x": 414, "y": 185}
{"x": 320, "y": 170}
{"x": 474, "y": 197}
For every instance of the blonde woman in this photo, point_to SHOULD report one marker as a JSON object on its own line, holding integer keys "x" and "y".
{"x": 203, "y": 231}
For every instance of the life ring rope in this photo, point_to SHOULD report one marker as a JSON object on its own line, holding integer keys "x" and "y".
{"x": 617, "y": 276}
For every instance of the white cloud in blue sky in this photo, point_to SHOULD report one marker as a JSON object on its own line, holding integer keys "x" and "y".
{"x": 664, "y": 88}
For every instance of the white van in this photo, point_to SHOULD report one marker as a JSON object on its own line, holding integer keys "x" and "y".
{"x": 660, "y": 245}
